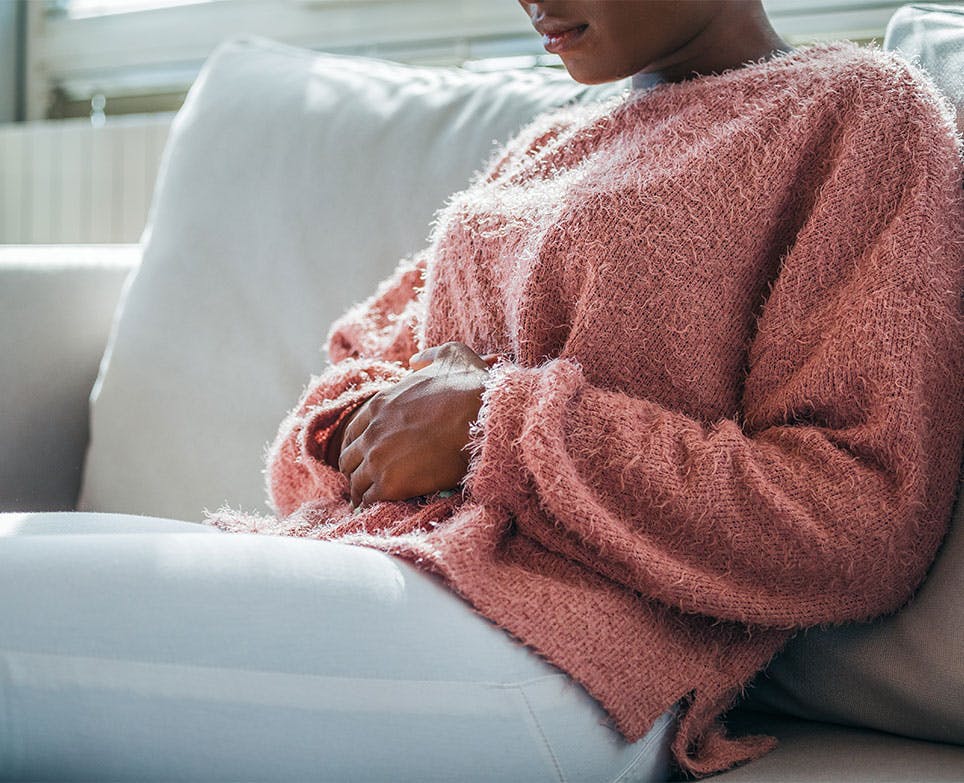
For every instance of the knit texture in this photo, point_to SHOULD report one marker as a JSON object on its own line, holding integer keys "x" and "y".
{"x": 730, "y": 398}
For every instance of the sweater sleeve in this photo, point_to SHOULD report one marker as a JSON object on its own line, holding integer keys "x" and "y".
{"x": 368, "y": 349}
{"x": 826, "y": 497}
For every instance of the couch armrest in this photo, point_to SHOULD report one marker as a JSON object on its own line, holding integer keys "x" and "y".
{"x": 56, "y": 308}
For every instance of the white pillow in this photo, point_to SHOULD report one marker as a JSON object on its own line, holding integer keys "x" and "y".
{"x": 292, "y": 183}
{"x": 932, "y": 36}
{"x": 903, "y": 673}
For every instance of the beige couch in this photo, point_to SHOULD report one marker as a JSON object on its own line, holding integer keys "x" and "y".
{"x": 291, "y": 185}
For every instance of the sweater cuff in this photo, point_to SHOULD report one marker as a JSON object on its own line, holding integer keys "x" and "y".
{"x": 295, "y": 469}
{"x": 497, "y": 476}
{"x": 323, "y": 424}
{"x": 322, "y": 420}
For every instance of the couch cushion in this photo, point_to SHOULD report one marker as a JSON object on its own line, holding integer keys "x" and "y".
{"x": 822, "y": 753}
{"x": 904, "y": 673}
{"x": 292, "y": 183}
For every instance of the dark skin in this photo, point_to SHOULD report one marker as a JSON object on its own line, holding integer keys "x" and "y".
{"x": 657, "y": 41}
{"x": 412, "y": 439}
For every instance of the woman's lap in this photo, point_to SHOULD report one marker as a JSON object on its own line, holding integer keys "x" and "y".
{"x": 180, "y": 652}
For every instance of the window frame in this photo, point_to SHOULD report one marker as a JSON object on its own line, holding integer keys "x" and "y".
{"x": 161, "y": 50}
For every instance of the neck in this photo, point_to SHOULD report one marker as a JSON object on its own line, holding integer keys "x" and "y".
{"x": 726, "y": 42}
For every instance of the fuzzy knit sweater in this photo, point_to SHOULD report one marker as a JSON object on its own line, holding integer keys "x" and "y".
{"x": 729, "y": 402}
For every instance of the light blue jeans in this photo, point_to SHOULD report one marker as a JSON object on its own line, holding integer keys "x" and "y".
{"x": 134, "y": 648}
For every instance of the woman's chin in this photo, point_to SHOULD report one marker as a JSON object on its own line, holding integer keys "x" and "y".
{"x": 585, "y": 76}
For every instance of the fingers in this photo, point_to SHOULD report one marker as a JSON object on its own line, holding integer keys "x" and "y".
{"x": 352, "y": 463}
{"x": 429, "y": 355}
{"x": 419, "y": 360}
{"x": 351, "y": 457}
{"x": 357, "y": 490}
{"x": 450, "y": 349}
{"x": 369, "y": 496}
{"x": 353, "y": 466}
{"x": 351, "y": 452}
{"x": 424, "y": 358}
{"x": 362, "y": 489}
{"x": 363, "y": 458}
{"x": 354, "y": 449}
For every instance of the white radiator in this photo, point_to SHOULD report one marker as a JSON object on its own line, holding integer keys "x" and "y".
{"x": 67, "y": 181}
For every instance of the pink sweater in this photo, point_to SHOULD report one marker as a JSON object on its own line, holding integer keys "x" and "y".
{"x": 731, "y": 398}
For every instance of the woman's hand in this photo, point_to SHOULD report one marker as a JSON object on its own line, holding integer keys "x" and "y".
{"x": 410, "y": 440}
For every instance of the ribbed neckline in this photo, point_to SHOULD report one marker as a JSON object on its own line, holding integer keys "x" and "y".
{"x": 750, "y": 67}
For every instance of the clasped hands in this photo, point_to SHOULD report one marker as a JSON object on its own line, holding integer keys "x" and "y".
{"x": 410, "y": 440}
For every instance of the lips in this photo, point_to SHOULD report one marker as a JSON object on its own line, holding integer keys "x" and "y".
{"x": 561, "y": 37}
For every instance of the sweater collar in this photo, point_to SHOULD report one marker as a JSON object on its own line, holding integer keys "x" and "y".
{"x": 747, "y": 71}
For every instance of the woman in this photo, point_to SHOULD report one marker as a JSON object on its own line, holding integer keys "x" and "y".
{"x": 690, "y": 362}
{"x": 678, "y": 375}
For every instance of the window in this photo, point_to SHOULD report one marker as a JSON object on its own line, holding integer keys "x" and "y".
{"x": 142, "y": 55}
{"x": 79, "y": 9}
